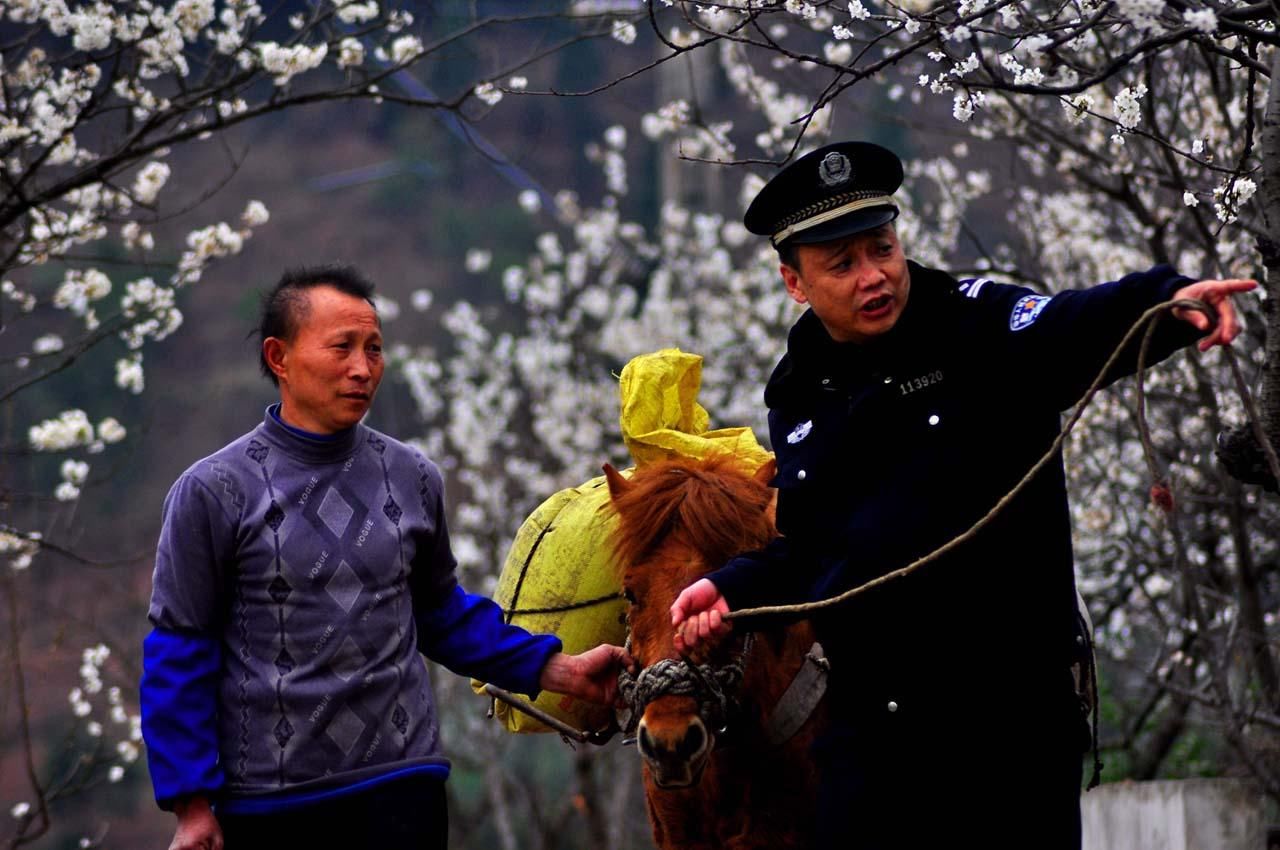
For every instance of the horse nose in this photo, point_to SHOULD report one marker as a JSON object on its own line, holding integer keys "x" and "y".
{"x": 675, "y": 752}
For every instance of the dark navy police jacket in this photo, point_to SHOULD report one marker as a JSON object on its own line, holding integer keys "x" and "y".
{"x": 889, "y": 449}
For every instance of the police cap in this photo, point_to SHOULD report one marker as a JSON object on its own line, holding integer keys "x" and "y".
{"x": 835, "y": 191}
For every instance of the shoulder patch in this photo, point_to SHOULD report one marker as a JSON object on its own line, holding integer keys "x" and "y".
{"x": 800, "y": 432}
{"x": 1026, "y": 311}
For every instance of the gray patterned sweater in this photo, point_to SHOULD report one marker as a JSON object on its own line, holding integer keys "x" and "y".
{"x": 295, "y": 582}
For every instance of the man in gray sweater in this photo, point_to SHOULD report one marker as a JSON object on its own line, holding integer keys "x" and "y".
{"x": 300, "y": 572}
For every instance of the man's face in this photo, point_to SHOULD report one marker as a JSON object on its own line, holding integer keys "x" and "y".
{"x": 331, "y": 368}
{"x": 856, "y": 285}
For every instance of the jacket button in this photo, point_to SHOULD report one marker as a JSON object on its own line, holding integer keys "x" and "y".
{"x": 800, "y": 475}
{"x": 888, "y": 380}
{"x": 826, "y": 381}
{"x": 893, "y": 706}
{"x": 934, "y": 420}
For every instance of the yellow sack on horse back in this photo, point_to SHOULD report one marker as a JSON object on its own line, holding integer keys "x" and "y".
{"x": 661, "y": 417}
{"x": 558, "y": 579}
{"x": 559, "y": 576}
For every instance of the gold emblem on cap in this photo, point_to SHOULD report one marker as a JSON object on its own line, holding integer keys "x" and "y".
{"x": 835, "y": 169}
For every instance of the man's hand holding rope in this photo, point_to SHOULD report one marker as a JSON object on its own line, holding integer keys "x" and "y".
{"x": 698, "y": 614}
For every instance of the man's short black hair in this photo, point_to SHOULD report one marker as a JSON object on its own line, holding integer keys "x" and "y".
{"x": 787, "y": 253}
{"x": 286, "y": 305}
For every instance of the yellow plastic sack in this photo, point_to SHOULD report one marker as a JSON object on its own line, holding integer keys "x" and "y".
{"x": 559, "y": 576}
{"x": 560, "y": 560}
{"x": 661, "y": 417}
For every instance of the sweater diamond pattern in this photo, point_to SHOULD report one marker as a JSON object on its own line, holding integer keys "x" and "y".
{"x": 348, "y": 660}
{"x": 283, "y": 732}
{"x": 345, "y": 729}
{"x": 392, "y": 510}
{"x": 335, "y": 512}
{"x": 275, "y": 516}
{"x": 279, "y": 589}
{"x": 344, "y": 586}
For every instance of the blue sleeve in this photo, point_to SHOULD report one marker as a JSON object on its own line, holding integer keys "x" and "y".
{"x": 180, "y": 673}
{"x": 1056, "y": 345}
{"x": 467, "y": 634}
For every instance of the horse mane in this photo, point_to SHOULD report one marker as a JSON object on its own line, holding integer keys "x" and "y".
{"x": 714, "y": 504}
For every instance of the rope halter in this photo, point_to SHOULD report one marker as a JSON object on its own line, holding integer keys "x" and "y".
{"x": 713, "y": 687}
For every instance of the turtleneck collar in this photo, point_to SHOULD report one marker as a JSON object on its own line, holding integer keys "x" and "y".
{"x": 305, "y": 445}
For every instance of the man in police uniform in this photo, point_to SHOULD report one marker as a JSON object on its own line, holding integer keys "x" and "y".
{"x": 907, "y": 405}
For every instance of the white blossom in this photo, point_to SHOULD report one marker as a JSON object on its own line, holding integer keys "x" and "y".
{"x": 69, "y": 430}
{"x": 388, "y": 310}
{"x": 405, "y": 49}
{"x": 255, "y": 214}
{"x": 350, "y": 53}
{"x": 47, "y": 344}
{"x": 1128, "y": 106}
{"x": 488, "y": 93}
{"x": 75, "y": 471}
{"x": 357, "y": 13}
{"x": 1190, "y": 199}
{"x": 837, "y": 54}
{"x": 1205, "y": 20}
{"x": 477, "y": 261}
{"x": 624, "y": 31}
{"x": 287, "y": 62}
{"x": 149, "y": 182}
{"x": 129, "y": 375}
{"x": 530, "y": 201}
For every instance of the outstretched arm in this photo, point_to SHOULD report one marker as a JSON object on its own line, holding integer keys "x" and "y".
{"x": 1217, "y": 294}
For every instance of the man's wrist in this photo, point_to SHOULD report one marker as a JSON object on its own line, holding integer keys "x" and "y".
{"x": 559, "y": 673}
{"x": 191, "y": 804}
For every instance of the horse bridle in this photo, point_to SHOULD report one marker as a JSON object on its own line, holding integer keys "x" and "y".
{"x": 714, "y": 687}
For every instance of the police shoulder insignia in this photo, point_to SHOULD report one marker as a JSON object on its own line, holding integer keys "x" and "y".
{"x": 800, "y": 432}
{"x": 1026, "y": 311}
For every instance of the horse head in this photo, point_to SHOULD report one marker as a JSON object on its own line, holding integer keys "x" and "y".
{"x": 677, "y": 521}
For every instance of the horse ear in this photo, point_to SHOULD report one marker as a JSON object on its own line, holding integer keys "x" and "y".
{"x": 766, "y": 472}
{"x": 617, "y": 484}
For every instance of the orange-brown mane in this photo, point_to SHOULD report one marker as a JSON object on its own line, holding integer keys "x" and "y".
{"x": 712, "y": 505}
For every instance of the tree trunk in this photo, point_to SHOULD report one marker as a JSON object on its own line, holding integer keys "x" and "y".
{"x": 1238, "y": 448}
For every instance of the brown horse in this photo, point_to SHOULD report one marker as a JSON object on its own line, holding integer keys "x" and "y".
{"x": 713, "y": 777}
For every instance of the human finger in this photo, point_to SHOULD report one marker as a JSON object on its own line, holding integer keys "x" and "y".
{"x": 1228, "y": 327}
{"x": 704, "y": 625}
{"x": 691, "y": 633}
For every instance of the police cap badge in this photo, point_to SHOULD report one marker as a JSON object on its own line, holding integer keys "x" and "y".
{"x": 834, "y": 191}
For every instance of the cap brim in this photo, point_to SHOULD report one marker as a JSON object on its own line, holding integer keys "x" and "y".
{"x": 846, "y": 225}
